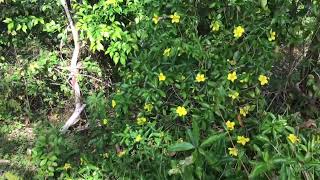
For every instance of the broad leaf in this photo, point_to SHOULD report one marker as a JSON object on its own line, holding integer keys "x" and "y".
{"x": 184, "y": 146}
{"x": 212, "y": 139}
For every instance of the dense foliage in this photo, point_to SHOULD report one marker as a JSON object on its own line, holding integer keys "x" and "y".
{"x": 174, "y": 89}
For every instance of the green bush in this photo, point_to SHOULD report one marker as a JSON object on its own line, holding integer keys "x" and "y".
{"x": 204, "y": 68}
{"x": 49, "y": 152}
{"x": 194, "y": 92}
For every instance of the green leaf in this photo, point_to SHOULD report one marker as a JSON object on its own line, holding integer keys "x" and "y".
{"x": 264, "y": 3}
{"x": 10, "y": 26}
{"x": 99, "y": 46}
{"x": 116, "y": 58}
{"x": 263, "y": 138}
{"x": 258, "y": 170}
{"x": 43, "y": 162}
{"x": 41, "y": 20}
{"x": 123, "y": 59}
{"x": 18, "y": 27}
{"x": 7, "y": 20}
{"x": 184, "y": 146}
{"x": 283, "y": 173}
{"x": 24, "y": 28}
{"x": 162, "y": 93}
{"x": 279, "y": 160}
{"x": 195, "y": 132}
{"x": 51, "y": 169}
{"x": 212, "y": 139}
{"x": 11, "y": 176}
{"x": 189, "y": 133}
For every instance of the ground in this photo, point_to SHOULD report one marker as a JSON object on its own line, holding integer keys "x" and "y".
{"x": 16, "y": 141}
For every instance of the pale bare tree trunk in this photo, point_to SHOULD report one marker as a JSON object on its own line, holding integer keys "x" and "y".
{"x": 74, "y": 71}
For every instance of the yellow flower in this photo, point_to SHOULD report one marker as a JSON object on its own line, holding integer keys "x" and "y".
{"x": 244, "y": 110}
{"x": 167, "y": 52}
{"x": 263, "y": 80}
{"x": 232, "y": 76}
{"x": 272, "y": 36}
{"x": 67, "y": 166}
{"x": 238, "y": 31}
{"x": 233, "y": 151}
{"x": 242, "y": 140}
{"x": 113, "y": 103}
{"x": 200, "y": 78}
{"x": 33, "y": 67}
{"x": 148, "y": 107}
{"x": 230, "y": 125}
{"x": 181, "y": 111}
{"x": 121, "y": 153}
{"x": 293, "y": 138}
{"x": 105, "y": 121}
{"x": 138, "y": 138}
{"x": 234, "y": 95}
{"x": 141, "y": 121}
{"x": 215, "y": 26}
{"x": 162, "y": 77}
{"x": 175, "y": 18}
{"x": 155, "y": 19}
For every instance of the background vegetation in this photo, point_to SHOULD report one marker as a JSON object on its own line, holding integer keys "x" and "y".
{"x": 174, "y": 89}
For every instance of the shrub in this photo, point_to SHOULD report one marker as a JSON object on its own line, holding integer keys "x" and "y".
{"x": 194, "y": 91}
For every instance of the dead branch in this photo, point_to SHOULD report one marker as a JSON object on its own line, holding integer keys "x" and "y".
{"x": 3, "y": 161}
{"x": 73, "y": 72}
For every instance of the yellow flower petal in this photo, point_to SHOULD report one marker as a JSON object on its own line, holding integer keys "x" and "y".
{"x": 234, "y": 95}
{"x": 181, "y": 111}
{"x": 67, "y": 166}
{"x": 233, "y": 151}
{"x": 232, "y": 76}
{"x": 155, "y": 19}
{"x": 148, "y": 107}
{"x": 272, "y": 36}
{"x": 175, "y": 18}
{"x": 167, "y": 52}
{"x": 242, "y": 140}
{"x": 162, "y": 77}
{"x": 141, "y": 121}
{"x": 138, "y": 138}
{"x": 263, "y": 80}
{"x": 200, "y": 78}
{"x": 113, "y": 103}
{"x": 293, "y": 138}
{"x": 121, "y": 153}
{"x": 230, "y": 125}
{"x": 238, "y": 31}
{"x": 244, "y": 110}
{"x": 215, "y": 26}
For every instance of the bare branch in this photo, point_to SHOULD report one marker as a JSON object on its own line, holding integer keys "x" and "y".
{"x": 73, "y": 72}
{"x": 3, "y": 161}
